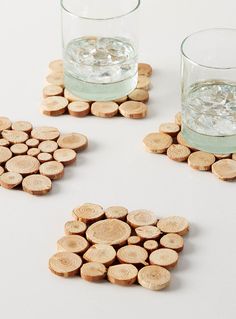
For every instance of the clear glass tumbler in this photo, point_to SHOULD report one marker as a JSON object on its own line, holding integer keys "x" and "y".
{"x": 100, "y": 47}
{"x": 209, "y": 90}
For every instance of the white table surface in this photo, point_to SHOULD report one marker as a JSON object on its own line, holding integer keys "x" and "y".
{"x": 114, "y": 170}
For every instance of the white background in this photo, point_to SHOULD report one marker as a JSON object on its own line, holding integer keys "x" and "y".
{"x": 114, "y": 170}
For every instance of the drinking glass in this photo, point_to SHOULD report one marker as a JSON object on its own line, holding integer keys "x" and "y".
{"x": 209, "y": 90}
{"x": 100, "y": 47}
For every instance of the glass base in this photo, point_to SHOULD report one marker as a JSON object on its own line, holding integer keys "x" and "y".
{"x": 210, "y": 144}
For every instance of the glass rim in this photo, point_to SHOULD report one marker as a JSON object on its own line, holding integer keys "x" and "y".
{"x": 99, "y": 19}
{"x": 200, "y": 64}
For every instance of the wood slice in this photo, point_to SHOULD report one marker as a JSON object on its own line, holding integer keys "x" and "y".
{"x": 181, "y": 140}
{"x": 5, "y": 123}
{"x": 34, "y": 152}
{"x": 143, "y": 82}
{"x": 72, "y": 243}
{"x": 5, "y": 154}
{"x": 73, "y": 98}
{"x": 234, "y": 157}
{"x": 65, "y": 156}
{"x": 56, "y": 78}
{"x": 23, "y": 126}
{"x": 157, "y": 142}
{"x": 109, "y": 231}
{"x": 175, "y": 224}
{"x": 52, "y": 90}
{"x": 79, "y": 108}
{"x": 133, "y": 110}
{"x": 141, "y": 217}
{"x": 37, "y": 184}
{"x": 164, "y": 257}
{"x": 15, "y": 137}
{"x": 124, "y": 275}
{"x": 54, "y": 105}
{"x": 134, "y": 240}
{"x": 19, "y": 149}
{"x": 148, "y": 232}
{"x": 45, "y": 133}
{"x": 104, "y": 109}
{"x": 10, "y": 180}
{"x": 222, "y": 156}
{"x": 121, "y": 100}
{"x": 44, "y": 157}
{"x": 178, "y": 118}
{"x": 48, "y": 146}
{"x": 4, "y": 142}
{"x": 117, "y": 212}
{"x": 32, "y": 142}
{"x": 171, "y": 129}
{"x": 225, "y": 169}
{"x": 172, "y": 241}
{"x": 57, "y": 65}
{"x": 144, "y": 69}
{"x": 1, "y": 170}
{"x": 154, "y": 277}
{"x": 101, "y": 253}
{"x": 139, "y": 95}
{"x": 75, "y": 227}
{"x": 88, "y": 213}
{"x": 201, "y": 161}
{"x": 52, "y": 169}
{"x": 65, "y": 264}
{"x": 132, "y": 254}
{"x": 178, "y": 152}
{"x": 93, "y": 271}
{"x": 74, "y": 141}
{"x": 150, "y": 245}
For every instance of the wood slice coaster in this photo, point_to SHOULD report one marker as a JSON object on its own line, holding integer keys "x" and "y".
{"x": 75, "y": 227}
{"x": 139, "y": 95}
{"x": 201, "y": 161}
{"x": 133, "y": 110}
{"x": 93, "y": 271}
{"x": 134, "y": 240}
{"x": 5, "y": 123}
{"x": 124, "y": 275}
{"x": 169, "y": 128}
{"x": 178, "y": 118}
{"x": 56, "y": 65}
{"x": 74, "y": 141}
{"x": 56, "y": 78}
{"x": 104, "y": 109}
{"x": 34, "y": 151}
{"x": 15, "y": 136}
{"x": 148, "y": 232}
{"x": 72, "y": 243}
{"x": 157, "y": 142}
{"x": 88, "y": 213}
{"x": 110, "y": 231}
{"x": 144, "y": 69}
{"x": 150, "y": 245}
{"x": 32, "y": 142}
{"x": 172, "y": 241}
{"x": 132, "y": 254}
{"x": 23, "y": 126}
{"x": 5, "y": 154}
{"x": 54, "y": 105}
{"x": 154, "y": 277}
{"x": 52, "y": 90}
{"x": 179, "y": 153}
{"x": 234, "y": 157}
{"x": 44, "y": 157}
{"x": 141, "y": 217}
{"x": 225, "y": 169}
{"x": 164, "y": 257}
{"x": 4, "y": 142}
{"x": 19, "y": 149}
{"x": 10, "y": 180}
{"x": 181, "y": 140}
{"x": 65, "y": 156}
{"x": 65, "y": 264}
{"x": 121, "y": 99}
{"x": 79, "y": 108}
{"x": 48, "y": 146}
{"x": 36, "y": 184}
{"x": 117, "y": 212}
{"x": 222, "y": 156}
{"x": 143, "y": 82}
{"x": 73, "y": 98}
{"x": 175, "y": 224}
{"x": 52, "y": 169}
{"x": 45, "y": 133}
{"x": 101, "y": 253}
{"x": 1, "y": 170}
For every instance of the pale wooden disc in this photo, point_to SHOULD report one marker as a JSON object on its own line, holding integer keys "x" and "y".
{"x": 143, "y": 82}
{"x": 174, "y": 224}
{"x": 109, "y": 231}
{"x": 15, "y": 137}
{"x": 19, "y": 149}
{"x": 164, "y": 257}
{"x": 178, "y": 118}
{"x": 44, "y": 157}
{"x": 133, "y": 110}
{"x": 74, "y": 141}
{"x": 150, "y": 245}
{"x": 141, "y": 217}
{"x": 144, "y": 69}
{"x": 65, "y": 264}
{"x": 222, "y": 156}
{"x": 169, "y": 128}
{"x": 54, "y": 105}
{"x": 121, "y": 99}
{"x": 23, "y": 164}
{"x": 75, "y": 227}
{"x": 172, "y": 241}
{"x": 93, "y": 271}
{"x": 52, "y": 90}
{"x": 157, "y": 142}
{"x": 139, "y": 95}
{"x": 225, "y": 169}
{"x": 32, "y": 142}
{"x": 178, "y": 152}
{"x": 104, "y": 109}
{"x": 124, "y": 274}
{"x": 154, "y": 277}
{"x": 5, "y": 154}
{"x": 65, "y": 156}
{"x": 118, "y": 212}
{"x": 72, "y": 243}
{"x": 52, "y": 169}
{"x": 34, "y": 151}
{"x": 132, "y": 254}
{"x": 182, "y": 141}
{"x": 148, "y": 232}
{"x": 37, "y": 184}
{"x": 101, "y": 253}
{"x": 72, "y": 98}
{"x": 88, "y": 213}
{"x": 1, "y": 170}
{"x": 234, "y": 156}
{"x": 22, "y": 126}
{"x": 5, "y": 123}
{"x": 201, "y": 161}
{"x": 48, "y": 146}
{"x": 10, "y": 180}
{"x": 79, "y": 108}
{"x": 45, "y": 133}
{"x": 56, "y": 78}
{"x": 4, "y": 142}
{"x": 134, "y": 240}
{"x": 56, "y": 65}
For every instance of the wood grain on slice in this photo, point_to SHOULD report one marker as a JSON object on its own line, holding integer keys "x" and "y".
{"x": 34, "y": 152}
{"x": 5, "y": 123}
{"x": 172, "y": 241}
{"x": 141, "y": 217}
{"x": 56, "y": 78}
{"x": 44, "y": 157}
{"x": 54, "y": 105}
{"x": 4, "y": 142}
{"x": 65, "y": 156}
{"x": 133, "y": 109}
{"x": 154, "y": 277}
{"x": 144, "y": 69}
{"x": 134, "y": 240}
{"x": 56, "y": 65}
{"x": 1, "y": 170}
{"x": 132, "y": 254}
{"x": 150, "y": 245}
{"x": 79, "y": 108}
{"x": 169, "y": 128}
{"x": 181, "y": 140}
{"x": 65, "y": 264}
{"x": 109, "y": 231}
{"x": 93, "y": 271}
{"x": 225, "y": 169}
{"x": 164, "y": 257}
{"x": 45, "y": 133}
{"x": 88, "y": 213}
{"x": 222, "y": 156}
{"x": 101, "y": 253}
{"x": 139, "y": 95}
{"x": 157, "y": 142}
{"x": 148, "y": 232}
{"x": 72, "y": 243}
{"x": 72, "y": 98}
{"x": 15, "y": 136}
{"x": 23, "y": 164}
{"x": 32, "y": 142}
{"x": 178, "y": 152}
{"x": 22, "y": 126}
{"x": 48, "y": 146}
{"x": 52, "y": 169}
{"x": 19, "y": 149}
{"x": 201, "y": 161}
{"x": 121, "y": 99}
{"x": 74, "y": 141}
{"x": 124, "y": 275}
{"x": 143, "y": 82}
{"x": 118, "y": 212}
{"x": 75, "y": 227}
{"x": 104, "y": 109}
{"x": 10, "y": 180}
{"x": 37, "y": 184}
{"x": 178, "y": 118}
{"x": 174, "y": 224}
{"x": 5, "y": 154}
{"x": 52, "y": 90}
